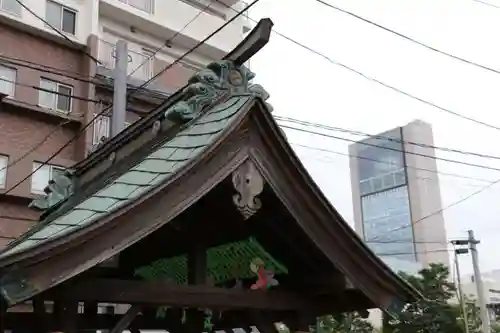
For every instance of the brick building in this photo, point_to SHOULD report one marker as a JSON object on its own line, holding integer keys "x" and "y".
{"x": 34, "y": 60}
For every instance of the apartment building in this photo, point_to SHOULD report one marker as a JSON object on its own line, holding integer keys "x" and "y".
{"x": 51, "y": 88}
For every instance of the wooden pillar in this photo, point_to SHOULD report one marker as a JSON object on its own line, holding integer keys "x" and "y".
{"x": 40, "y": 314}
{"x": 3, "y": 311}
{"x": 197, "y": 275}
{"x": 66, "y": 313}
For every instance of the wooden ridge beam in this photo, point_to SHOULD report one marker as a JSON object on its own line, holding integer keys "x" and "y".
{"x": 191, "y": 296}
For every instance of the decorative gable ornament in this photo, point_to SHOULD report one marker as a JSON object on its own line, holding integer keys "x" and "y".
{"x": 249, "y": 183}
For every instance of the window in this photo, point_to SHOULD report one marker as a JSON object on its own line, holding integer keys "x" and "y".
{"x": 144, "y": 5}
{"x": 148, "y": 64}
{"x": 102, "y": 128}
{"x": 41, "y": 177}
{"x": 4, "y": 162}
{"x": 7, "y": 80}
{"x": 59, "y": 101}
{"x": 60, "y": 17}
{"x": 11, "y": 6}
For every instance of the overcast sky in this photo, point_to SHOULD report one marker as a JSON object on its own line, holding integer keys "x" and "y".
{"x": 308, "y": 87}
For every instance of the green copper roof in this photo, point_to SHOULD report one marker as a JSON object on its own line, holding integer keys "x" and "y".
{"x": 221, "y": 263}
{"x": 202, "y": 128}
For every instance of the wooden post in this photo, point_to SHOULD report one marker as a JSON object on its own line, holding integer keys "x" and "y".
{"x": 66, "y": 313}
{"x": 197, "y": 275}
{"x": 3, "y": 311}
{"x": 39, "y": 311}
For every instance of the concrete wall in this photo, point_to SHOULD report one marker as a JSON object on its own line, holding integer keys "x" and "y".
{"x": 425, "y": 195}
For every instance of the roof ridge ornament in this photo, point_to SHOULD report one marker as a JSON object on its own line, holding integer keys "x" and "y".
{"x": 58, "y": 189}
{"x": 220, "y": 79}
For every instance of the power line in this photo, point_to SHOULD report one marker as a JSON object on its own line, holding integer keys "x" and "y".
{"x": 439, "y": 211}
{"x": 382, "y": 137}
{"x": 131, "y": 93}
{"x": 393, "y": 149}
{"x": 9, "y": 60}
{"x": 329, "y": 5}
{"x": 395, "y": 164}
{"x": 45, "y": 69}
{"x": 482, "y": 189}
{"x": 486, "y": 3}
{"x": 369, "y": 78}
{"x": 35, "y": 147}
{"x": 17, "y": 83}
{"x": 387, "y": 254}
{"x": 402, "y": 241}
{"x": 168, "y": 41}
{"x": 57, "y": 31}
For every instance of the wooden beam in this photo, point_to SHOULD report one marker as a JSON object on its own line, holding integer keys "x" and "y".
{"x": 252, "y": 44}
{"x": 165, "y": 293}
{"x": 127, "y": 319}
{"x": 25, "y": 321}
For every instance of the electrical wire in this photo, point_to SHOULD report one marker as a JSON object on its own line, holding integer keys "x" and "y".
{"x": 369, "y": 78}
{"x": 17, "y": 83}
{"x": 387, "y": 254}
{"x": 170, "y": 40}
{"x": 45, "y": 69}
{"x": 392, "y": 149}
{"x": 82, "y": 130}
{"x": 439, "y": 211}
{"x": 4, "y": 59}
{"x": 329, "y": 5}
{"x": 78, "y": 46}
{"x": 395, "y": 164}
{"x": 487, "y": 3}
{"x": 35, "y": 147}
{"x": 382, "y": 137}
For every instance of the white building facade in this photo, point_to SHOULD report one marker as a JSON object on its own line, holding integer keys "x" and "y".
{"x": 145, "y": 24}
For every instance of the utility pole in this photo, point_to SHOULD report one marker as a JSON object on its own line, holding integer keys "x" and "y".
{"x": 472, "y": 242}
{"x": 479, "y": 282}
{"x": 463, "y": 305}
{"x": 120, "y": 88}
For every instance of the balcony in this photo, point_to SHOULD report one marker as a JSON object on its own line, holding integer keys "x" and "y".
{"x": 144, "y": 5}
{"x": 168, "y": 18}
{"x": 140, "y": 65}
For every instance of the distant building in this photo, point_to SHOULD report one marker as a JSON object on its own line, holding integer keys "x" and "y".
{"x": 491, "y": 286}
{"x": 393, "y": 184}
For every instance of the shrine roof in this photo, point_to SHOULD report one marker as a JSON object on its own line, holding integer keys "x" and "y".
{"x": 153, "y": 169}
{"x": 219, "y": 101}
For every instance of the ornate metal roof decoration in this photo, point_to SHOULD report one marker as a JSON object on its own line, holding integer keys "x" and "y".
{"x": 218, "y": 80}
{"x": 58, "y": 190}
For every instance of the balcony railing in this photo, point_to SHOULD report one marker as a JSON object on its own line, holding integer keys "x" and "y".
{"x": 140, "y": 65}
{"x": 144, "y": 5}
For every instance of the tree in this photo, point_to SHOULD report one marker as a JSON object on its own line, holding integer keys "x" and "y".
{"x": 433, "y": 313}
{"x": 345, "y": 323}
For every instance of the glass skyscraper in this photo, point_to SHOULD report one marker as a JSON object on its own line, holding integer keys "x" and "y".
{"x": 389, "y": 193}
